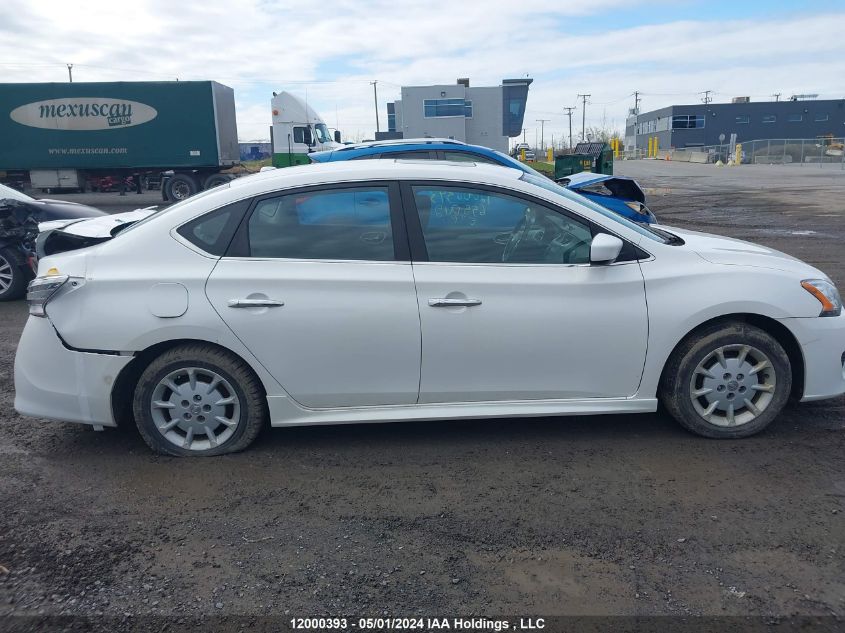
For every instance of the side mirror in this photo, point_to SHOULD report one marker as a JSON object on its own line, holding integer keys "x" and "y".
{"x": 604, "y": 249}
{"x": 337, "y": 136}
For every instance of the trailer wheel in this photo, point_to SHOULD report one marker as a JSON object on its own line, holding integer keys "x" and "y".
{"x": 181, "y": 187}
{"x": 215, "y": 180}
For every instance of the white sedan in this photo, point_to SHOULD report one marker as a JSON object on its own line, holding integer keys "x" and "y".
{"x": 376, "y": 291}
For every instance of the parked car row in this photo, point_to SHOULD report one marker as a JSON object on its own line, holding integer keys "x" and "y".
{"x": 387, "y": 290}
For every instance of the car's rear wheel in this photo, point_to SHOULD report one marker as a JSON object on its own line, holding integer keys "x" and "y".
{"x": 199, "y": 400}
{"x": 13, "y": 275}
{"x": 728, "y": 381}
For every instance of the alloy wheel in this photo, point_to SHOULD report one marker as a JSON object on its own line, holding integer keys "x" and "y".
{"x": 195, "y": 408}
{"x": 6, "y": 274}
{"x": 733, "y": 385}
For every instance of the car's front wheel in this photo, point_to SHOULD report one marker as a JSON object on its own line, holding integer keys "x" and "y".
{"x": 729, "y": 381}
{"x": 13, "y": 275}
{"x": 198, "y": 400}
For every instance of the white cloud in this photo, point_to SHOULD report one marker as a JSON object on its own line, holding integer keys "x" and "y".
{"x": 257, "y": 46}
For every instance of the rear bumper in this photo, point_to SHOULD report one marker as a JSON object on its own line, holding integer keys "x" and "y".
{"x": 822, "y": 341}
{"x": 54, "y": 382}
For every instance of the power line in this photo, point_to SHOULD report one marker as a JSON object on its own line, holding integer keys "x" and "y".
{"x": 569, "y": 114}
{"x": 542, "y": 123}
{"x": 584, "y": 116}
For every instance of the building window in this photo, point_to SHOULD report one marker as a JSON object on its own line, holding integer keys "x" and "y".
{"x": 794, "y": 118}
{"x": 744, "y": 118}
{"x": 820, "y": 117}
{"x": 770, "y": 118}
{"x": 391, "y": 122}
{"x": 447, "y": 107}
{"x": 687, "y": 121}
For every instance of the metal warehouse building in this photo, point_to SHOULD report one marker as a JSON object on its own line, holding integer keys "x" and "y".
{"x": 702, "y": 124}
{"x": 485, "y": 115}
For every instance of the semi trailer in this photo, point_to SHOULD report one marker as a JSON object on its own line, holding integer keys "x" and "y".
{"x": 64, "y": 135}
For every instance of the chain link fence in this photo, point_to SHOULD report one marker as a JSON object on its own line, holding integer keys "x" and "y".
{"x": 806, "y": 152}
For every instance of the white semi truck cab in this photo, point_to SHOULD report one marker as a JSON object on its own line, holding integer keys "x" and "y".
{"x": 298, "y": 130}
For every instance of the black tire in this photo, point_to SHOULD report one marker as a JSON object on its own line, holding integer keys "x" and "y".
{"x": 215, "y": 180}
{"x": 253, "y": 411}
{"x": 676, "y": 384}
{"x": 181, "y": 186}
{"x": 13, "y": 263}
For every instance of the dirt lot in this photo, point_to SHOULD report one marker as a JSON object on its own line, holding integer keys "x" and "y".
{"x": 618, "y": 515}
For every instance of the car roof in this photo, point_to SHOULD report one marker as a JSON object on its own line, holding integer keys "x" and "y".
{"x": 399, "y": 141}
{"x": 375, "y": 169}
{"x": 365, "y": 149}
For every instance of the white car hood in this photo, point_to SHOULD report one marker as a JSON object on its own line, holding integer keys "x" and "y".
{"x": 102, "y": 226}
{"x": 732, "y": 252}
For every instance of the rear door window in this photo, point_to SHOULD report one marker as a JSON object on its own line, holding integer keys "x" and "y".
{"x": 341, "y": 224}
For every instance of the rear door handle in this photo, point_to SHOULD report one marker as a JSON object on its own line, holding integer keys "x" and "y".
{"x": 453, "y": 303}
{"x": 255, "y": 303}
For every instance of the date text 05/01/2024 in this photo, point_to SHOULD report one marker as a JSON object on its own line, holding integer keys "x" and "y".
{"x": 466, "y": 625}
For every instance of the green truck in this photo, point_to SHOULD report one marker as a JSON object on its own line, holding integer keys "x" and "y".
{"x": 63, "y": 135}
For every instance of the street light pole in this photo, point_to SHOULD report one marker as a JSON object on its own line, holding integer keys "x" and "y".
{"x": 375, "y": 100}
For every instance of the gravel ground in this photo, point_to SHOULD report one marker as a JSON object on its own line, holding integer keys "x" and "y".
{"x": 615, "y": 515}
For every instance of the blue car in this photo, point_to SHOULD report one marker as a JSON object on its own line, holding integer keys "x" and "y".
{"x": 617, "y": 193}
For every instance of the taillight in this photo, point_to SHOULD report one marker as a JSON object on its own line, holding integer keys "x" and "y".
{"x": 41, "y": 290}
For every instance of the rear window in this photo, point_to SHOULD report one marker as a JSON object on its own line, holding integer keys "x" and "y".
{"x": 213, "y": 231}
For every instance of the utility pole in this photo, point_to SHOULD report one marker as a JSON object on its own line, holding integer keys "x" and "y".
{"x": 707, "y": 98}
{"x": 523, "y": 134}
{"x": 70, "y": 72}
{"x": 542, "y": 123}
{"x": 375, "y": 100}
{"x": 776, "y": 96}
{"x": 584, "y": 116}
{"x": 569, "y": 114}
{"x": 636, "y": 102}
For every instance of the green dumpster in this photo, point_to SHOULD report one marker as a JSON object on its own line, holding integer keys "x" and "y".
{"x": 595, "y": 157}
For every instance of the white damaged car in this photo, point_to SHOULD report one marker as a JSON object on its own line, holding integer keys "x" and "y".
{"x": 381, "y": 290}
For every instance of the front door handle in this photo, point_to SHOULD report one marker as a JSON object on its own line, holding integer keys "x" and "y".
{"x": 255, "y": 303}
{"x": 453, "y": 303}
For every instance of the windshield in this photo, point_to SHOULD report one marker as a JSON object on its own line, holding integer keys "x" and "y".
{"x": 14, "y": 194}
{"x": 548, "y": 185}
{"x": 516, "y": 164}
{"x": 322, "y": 133}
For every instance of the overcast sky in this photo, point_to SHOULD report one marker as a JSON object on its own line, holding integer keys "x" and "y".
{"x": 669, "y": 50}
